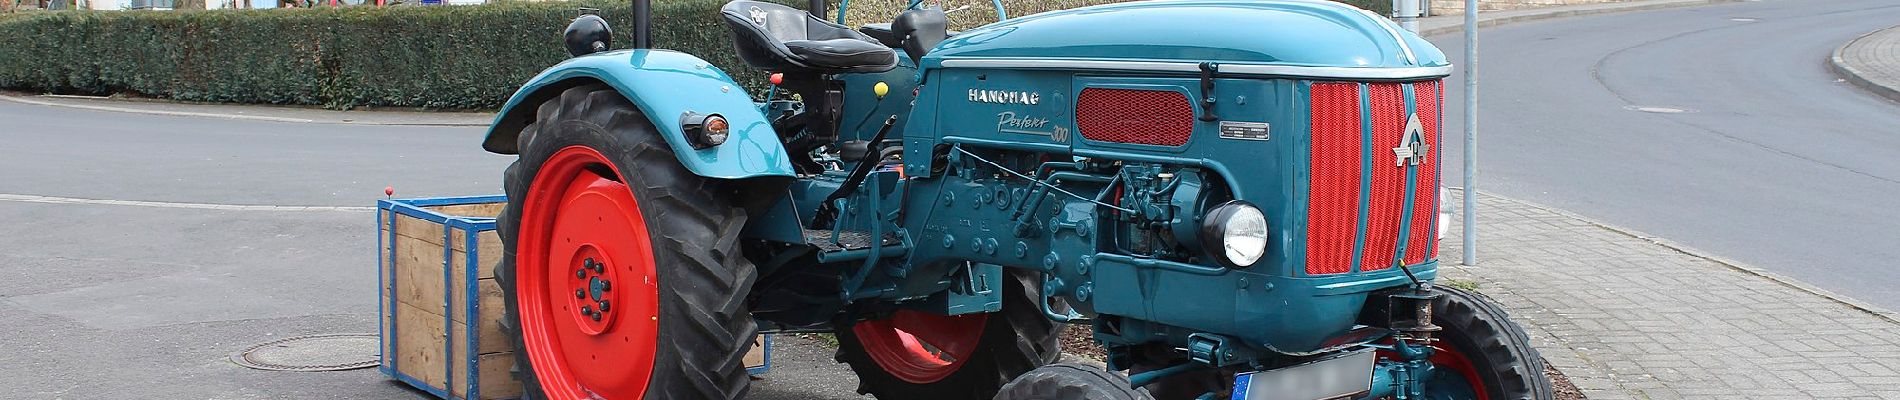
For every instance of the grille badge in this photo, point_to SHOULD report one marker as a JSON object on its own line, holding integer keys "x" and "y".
{"x": 1412, "y": 147}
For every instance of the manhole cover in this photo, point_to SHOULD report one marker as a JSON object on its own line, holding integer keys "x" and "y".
{"x": 1658, "y": 110}
{"x": 313, "y": 353}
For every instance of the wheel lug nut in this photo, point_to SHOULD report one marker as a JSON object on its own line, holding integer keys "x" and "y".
{"x": 587, "y": 310}
{"x": 580, "y": 273}
{"x": 606, "y": 285}
{"x": 604, "y": 306}
{"x": 580, "y": 294}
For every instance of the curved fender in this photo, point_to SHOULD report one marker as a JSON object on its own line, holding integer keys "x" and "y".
{"x": 664, "y": 85}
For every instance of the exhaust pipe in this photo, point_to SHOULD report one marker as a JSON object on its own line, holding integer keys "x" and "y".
{"x": 643, "y": 24}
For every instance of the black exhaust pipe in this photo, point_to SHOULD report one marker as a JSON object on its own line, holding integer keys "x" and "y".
{"x": 642, "y": 24}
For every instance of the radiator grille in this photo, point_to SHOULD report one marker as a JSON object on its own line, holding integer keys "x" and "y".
{"x": 1333, "y": 212}
{"x": 1422, "y": 242}
{"x": 1352, "y": 162}
{"x": 1151, "y": 117}
{"x": 1388, "y": 180}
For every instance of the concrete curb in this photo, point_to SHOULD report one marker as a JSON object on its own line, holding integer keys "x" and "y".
{"x": 1837, "y": 63}
{"x": 31, "y": 99}
{"x": 23, "y": 100}
{"x": 1561, "y": 13}
{"x": 1862, "y": 306}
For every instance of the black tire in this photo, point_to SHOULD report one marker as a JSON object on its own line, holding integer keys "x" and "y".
{"x": 704, "y": 328}
{"x": 1068, "y": 381}
{"x": 1498, "y": 348}
{"x": 1014, "y": 341}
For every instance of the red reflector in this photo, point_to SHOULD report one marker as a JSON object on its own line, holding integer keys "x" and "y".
{"x": 1332, "y": 211}
{"x": 1152, "y": 117}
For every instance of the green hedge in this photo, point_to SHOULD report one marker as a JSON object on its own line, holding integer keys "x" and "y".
{"x": 459, "y": 57}
{"x": 434, "y": 57}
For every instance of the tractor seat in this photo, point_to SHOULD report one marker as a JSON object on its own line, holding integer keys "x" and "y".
{"x": 777, "y": 38}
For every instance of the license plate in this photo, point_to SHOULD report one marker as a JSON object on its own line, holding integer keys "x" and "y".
{"x": 1341, "y": 376}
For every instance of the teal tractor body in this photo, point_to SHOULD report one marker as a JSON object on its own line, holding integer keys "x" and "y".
{"x": 1229, "y": 193}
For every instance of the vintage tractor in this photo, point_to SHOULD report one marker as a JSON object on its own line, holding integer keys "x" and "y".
{"x": 1240, "y": 197}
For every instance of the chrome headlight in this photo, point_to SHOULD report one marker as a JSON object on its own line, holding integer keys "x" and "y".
{"x": 1235, "y": 233}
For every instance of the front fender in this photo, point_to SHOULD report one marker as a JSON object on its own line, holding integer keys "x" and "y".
{"x": 663, "y": 84}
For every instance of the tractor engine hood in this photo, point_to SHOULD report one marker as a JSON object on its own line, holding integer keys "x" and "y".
{"x": 1281, "y": 37}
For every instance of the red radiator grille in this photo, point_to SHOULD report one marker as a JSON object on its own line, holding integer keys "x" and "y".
{"x": 1332, "y": 216}
{"x": 1421, "y": 243}
{"x": 1388, "y": 180}
{"x": 1152, "y": 117}
{"x": 1338, "y": 174}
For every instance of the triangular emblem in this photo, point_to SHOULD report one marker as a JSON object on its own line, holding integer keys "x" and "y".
{"x": 1412, "y": 148}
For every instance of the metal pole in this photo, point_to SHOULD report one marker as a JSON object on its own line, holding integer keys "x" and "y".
{"x": 1471, "y": 133}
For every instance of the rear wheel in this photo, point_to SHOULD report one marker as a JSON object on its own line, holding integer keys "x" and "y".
{"x": 916, "y": 355}
{"x": 621, "y": 271}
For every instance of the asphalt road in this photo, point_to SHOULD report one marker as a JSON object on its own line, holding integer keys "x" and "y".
{"x": 119, "y": 302}
{"x": 1776, "y": 163}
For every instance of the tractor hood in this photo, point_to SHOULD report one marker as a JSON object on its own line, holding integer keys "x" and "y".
{"x": 1279, "y": 35}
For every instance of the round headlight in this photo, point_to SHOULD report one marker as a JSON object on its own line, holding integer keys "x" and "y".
{"x": 1235, "y": 232}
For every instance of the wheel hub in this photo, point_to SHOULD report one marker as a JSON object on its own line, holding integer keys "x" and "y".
{"x": 592, "y": 287}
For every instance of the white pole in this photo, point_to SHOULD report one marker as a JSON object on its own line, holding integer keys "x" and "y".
{"x": 1471, "y": 133}
{"x": 1407, "y": 12}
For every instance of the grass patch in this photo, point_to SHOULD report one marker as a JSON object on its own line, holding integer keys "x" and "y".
{"x": 1467, "y": 285}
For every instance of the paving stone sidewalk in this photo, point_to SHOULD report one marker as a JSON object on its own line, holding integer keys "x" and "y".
{"x": 1630, "y": 317}
{"x": 1871, "y": 61}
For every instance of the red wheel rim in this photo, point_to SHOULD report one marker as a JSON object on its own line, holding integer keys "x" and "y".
{"x": 1444, "y": 357}
{"x": 920, "y": 347}
{"x": 586, "y": 288}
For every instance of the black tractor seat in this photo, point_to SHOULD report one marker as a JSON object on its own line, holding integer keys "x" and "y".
{"x": 778, "y": 38}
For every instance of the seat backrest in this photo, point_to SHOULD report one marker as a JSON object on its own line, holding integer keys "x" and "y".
{"x": 921, "y": 30}
{"x": 761, "y": 29}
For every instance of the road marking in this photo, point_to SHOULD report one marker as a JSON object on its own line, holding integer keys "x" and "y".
{"x": 1657, "y": 110}
{"x": 27, "y": 198}
{"x": 153, "y": 112}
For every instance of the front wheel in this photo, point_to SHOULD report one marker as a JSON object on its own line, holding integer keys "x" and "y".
{"x": 1481, "y": 354}
{"x": 620, "y": 273}
{"x": 915, "y": 355}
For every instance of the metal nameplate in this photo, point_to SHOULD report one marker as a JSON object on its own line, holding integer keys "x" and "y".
{"x": 1244, "y": 130}
{"x": 1342, "y": 376}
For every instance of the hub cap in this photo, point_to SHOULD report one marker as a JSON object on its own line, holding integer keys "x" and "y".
{"x": 919, "y": 347}
{"x": 588, "y": 297}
